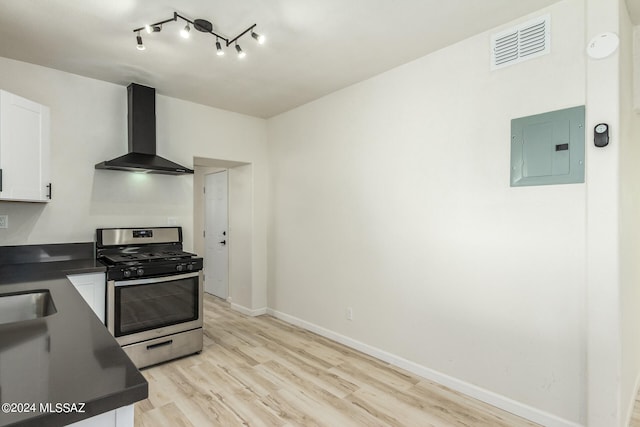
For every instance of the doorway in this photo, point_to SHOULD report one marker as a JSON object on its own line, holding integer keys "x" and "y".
{"x": 216, "y": 260}
{"x": 241, "y": 233}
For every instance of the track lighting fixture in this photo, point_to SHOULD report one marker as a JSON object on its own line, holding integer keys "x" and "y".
{"x": 203, "y": 26}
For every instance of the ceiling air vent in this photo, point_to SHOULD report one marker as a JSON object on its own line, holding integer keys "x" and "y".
{"x": 525, "y": 41}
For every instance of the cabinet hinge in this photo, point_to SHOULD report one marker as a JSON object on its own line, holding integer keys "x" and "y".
{"x": 0, "y": 179}
{"x": 204, "y": 233}
{"x": 49, "y": 191}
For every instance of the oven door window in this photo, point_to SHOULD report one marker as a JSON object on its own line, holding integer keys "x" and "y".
{"x": 149, "y": 306}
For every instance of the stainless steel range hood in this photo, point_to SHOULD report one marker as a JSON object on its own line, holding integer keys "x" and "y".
{"x": 141, "y": 120}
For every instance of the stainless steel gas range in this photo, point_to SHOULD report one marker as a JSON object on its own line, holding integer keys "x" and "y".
{"x": 154, "y": 292}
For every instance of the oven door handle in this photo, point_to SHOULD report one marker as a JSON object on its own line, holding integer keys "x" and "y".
{"x": 161, "y": 279}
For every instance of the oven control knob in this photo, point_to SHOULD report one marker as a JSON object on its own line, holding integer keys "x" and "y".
{"x": 189, "y": 267}
{"x": 180, "y": 267}
{"x": 140, "y": 272}
{"x": 127, "y": 273}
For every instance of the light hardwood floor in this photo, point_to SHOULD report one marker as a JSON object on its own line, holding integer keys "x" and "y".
{"x": 259, "y": 371}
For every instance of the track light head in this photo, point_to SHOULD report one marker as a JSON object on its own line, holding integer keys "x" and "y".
{"x": 260, "y": 38}
{"x": 140, "y": 45}
{"x": 185, "y": 31}
{"x": 219, "y": 50}
{"x": 152, "y": 28}
{"x": 241, "y": 54}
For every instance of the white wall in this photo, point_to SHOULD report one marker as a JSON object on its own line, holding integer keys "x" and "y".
{"x": 629, "y": 220}
{"x": 392, "y": 197}
{"x": 240, "y": 259}
{"x": 89, "y": 125}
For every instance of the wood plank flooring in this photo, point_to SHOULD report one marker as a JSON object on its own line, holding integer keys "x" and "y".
{"x": 260, "y": 371}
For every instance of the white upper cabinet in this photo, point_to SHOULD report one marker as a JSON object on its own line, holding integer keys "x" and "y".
{"x": 24, "y": 150}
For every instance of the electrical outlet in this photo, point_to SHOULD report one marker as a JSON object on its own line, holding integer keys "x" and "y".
{"x": 4, "y": 221}
{"x": 349, "y": 313}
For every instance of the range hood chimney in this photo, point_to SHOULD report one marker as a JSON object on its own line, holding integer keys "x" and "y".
{"x": 141, "y": 119}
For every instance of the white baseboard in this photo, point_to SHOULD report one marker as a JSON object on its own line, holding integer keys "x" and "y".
{"x": 248, "y": 311}
{"x": 631, "y": 404}
{"x": 502, "y": 402}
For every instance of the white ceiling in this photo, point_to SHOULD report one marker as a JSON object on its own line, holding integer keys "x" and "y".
{"x": 314, "y": 47}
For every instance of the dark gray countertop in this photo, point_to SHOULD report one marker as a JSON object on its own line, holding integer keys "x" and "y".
{"x": 34, "y": 271}
{"x": 67, "y": 357}
{"x": 51, "y": 261}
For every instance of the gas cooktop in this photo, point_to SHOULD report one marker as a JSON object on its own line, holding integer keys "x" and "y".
{"x": 144, "y": 252}
{"x": 141, "y": 257}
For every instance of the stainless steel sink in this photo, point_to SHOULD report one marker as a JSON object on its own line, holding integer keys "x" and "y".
{"x": 26, "y": 306}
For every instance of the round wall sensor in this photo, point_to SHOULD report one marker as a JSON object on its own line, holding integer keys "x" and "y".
{"x": 603, "y": 45}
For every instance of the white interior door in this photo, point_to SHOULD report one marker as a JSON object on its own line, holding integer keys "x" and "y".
{"x": 216, "y": 261}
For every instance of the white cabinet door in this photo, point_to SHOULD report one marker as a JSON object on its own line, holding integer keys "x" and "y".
{"x": 92, "y": 287}
{"x": 121, "y": 417}
{"x": 24, "y": 149}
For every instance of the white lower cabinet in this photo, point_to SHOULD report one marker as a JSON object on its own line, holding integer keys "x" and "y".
{"x": 92, "y": 287}
{"x": 121, "y": 417}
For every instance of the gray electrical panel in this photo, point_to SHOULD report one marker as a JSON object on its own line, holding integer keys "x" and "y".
{"x": 548, "y": 148}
